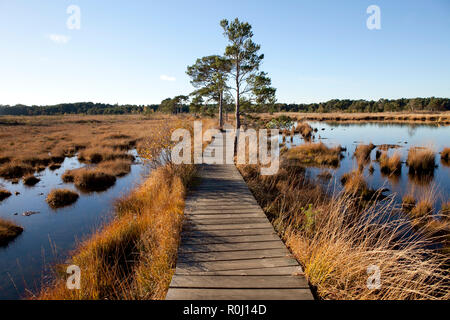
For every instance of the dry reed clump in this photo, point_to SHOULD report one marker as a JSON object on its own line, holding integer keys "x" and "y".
{"x": 337, "y": 259}
{"x": 423, "y": 208}
{"x": 355, "y": 184}
{"x": 4, "y": 194}
{"x": 33, "y": 143}
{"x": 134, "y": 256}
{"x": 408, "y": 203}
{"x": 118, "y": 168}
{"x": 445, "y": 209}
{"x": 8, "y": 231}
{"x": 14, "y": 170}
{"x": 390, "y": 165}
{"x": 445, "y": 155}
{"x": 99, "y": 154}
{"x": 304, "y": 129}
{"x": 315, "y": 154}
{"x": 421, "y": 161}
{"x": 58, "y": 198}
{"x": 90, "y": 179}
{"x": 336, "y": 242}
{"x": 30, "y": 180}
{"x": 362, "y": 153}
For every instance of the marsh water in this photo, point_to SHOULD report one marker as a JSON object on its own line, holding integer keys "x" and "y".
{"x": 404, "y": 136}
{"x": 49, "y": 235}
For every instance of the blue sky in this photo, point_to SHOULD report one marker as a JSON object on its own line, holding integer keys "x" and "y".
{"x": 137, "y": 51}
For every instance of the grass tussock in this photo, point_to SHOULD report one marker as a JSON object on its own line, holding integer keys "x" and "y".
{"x": 134, "y": 256}
{"x": 362, "y": 153}
{"x": 4, "y": 194}
{"x": 408, "y": 203}
{"x": 336, "y": 241}
{"x": 90, "y": 179}
{"x": 118, "y": 168}
{"x": 421, "y": 161}
{"x": 304, "y": 129}
{"x": 390, "y": 165}
{"x": 8, "y": 231}
{"x": 315, "y": 154}
{"x": 31, "y": 144}
{"x": 30, "y": 180}
{"x": 355, "y": 184}
{"x": 423, "y": 208}
{"x": 58, "y": 198}
{"x": 99, "y": 154}
{"x": 445, "y": 156}
{"x": 13, "y": 170}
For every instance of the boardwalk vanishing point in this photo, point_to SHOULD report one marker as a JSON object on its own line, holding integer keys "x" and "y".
{"x": 229, "y": 249}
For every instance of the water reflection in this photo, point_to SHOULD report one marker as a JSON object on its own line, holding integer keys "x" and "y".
{"x": 50, "y": 234}
{"x": 394, "y": 138}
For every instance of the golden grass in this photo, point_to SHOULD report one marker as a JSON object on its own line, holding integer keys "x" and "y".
{"x": 362, "y": 153}
{"x": 15, "y": 169}
{"x": 445, "y": 154}
{"x": 58, "y": 198}
{"x": 99, "y": 154}
{"x": 30, "y": 180}
{"x": 30, "y": 144}
{"x": 8, "y": 231}
{"x": 423, "y": 208}
{"x": 90, "y": 179}
{"x": 408, "y": 203}
{"x": 118, "y": 167}
{"x": 438, "y": 118}
{"x": 134, "y": 256}
{"x": 4, "y": 194}
{"x": 355, "y": 184}
{"x": 336, "y": 241}
{"x": 421, "y": 161}
{"x": 390, "y": 165}
{"x": 315, "y": 154}
{"x": 304, "y": 129}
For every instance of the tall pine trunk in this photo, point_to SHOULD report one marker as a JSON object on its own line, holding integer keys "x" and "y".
{"x": 238, "y": 120}
{"x": 221, "y": 110}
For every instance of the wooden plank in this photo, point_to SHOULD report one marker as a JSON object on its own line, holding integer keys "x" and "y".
{"x": 230, "y": 239}
{"x": 226, "y": 233}
{"x": 233, "y": 255}
{"x": 251, "y": 220}
{"x": 239, "y": 282}
{"x": 208, "y": 211}
{"x": 265, "y": 225}
{"x": 195, "y": 217}
{"x": 238, "y": 294}
{"x": 289, "y": 270}
{"x": 235, "y": 264}
{"x": 218, "y": 247}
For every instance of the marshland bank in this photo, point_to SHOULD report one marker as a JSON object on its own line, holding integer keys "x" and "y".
{"x": 50, "y": 233}
{"x": 427, "y": 117}
{"x": 148, "y": 273}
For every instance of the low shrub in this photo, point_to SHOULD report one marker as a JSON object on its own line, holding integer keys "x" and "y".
{"x": 58, "y": 198}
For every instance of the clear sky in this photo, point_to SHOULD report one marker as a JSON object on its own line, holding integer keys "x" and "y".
{"x": 137, "y": 51}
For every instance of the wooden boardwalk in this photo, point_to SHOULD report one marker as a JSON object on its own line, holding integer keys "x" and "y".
{"x": 229, "y": 249}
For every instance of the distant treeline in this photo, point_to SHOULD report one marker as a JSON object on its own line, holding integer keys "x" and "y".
{"x": 416, "y": 104}
{"x": 76, "y": 108}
